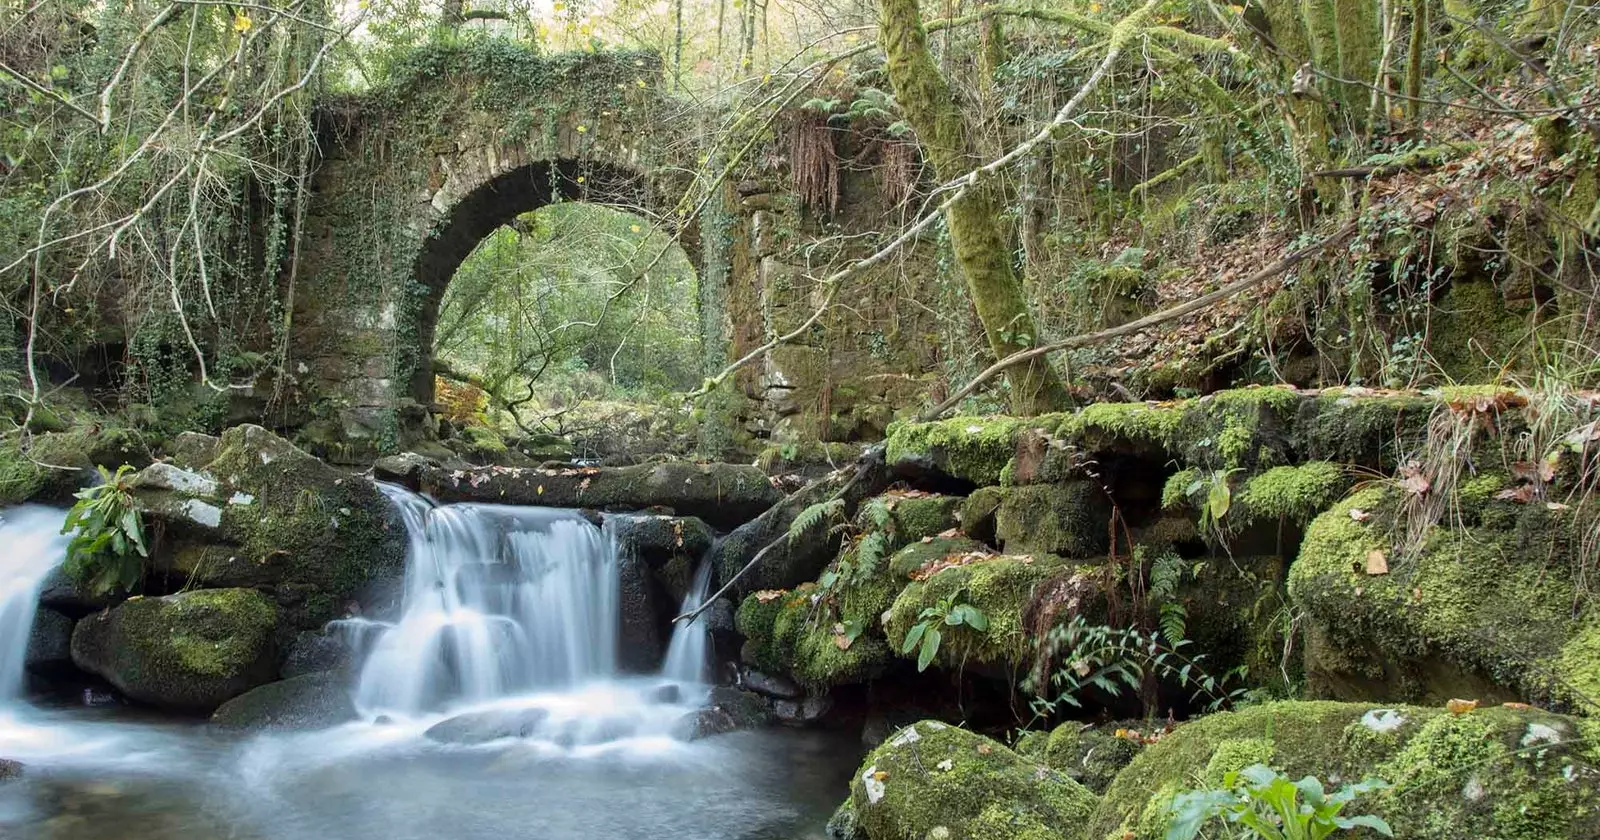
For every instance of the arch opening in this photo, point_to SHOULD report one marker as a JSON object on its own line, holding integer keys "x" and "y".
{"x": 549, "y": 285}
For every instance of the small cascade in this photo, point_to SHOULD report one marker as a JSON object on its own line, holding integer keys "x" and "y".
{"x": 33, "y": 546}
{"x": 687, "y": 654}
{"x": 498, "y": 601}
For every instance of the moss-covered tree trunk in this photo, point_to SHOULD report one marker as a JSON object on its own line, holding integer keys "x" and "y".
{"x": 974, "y": 221}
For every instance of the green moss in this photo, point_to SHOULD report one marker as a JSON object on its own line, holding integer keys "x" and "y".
{"x": 975, "y": 449}
{"x": 1089, "y": 755}
{"x": 1473, "y": 336}
{"x": 1293, "y": 494}
{"x": 792, "y": 634}
{"x": 1066, "y": 519}
{"x": 1175, "y": 493}
{"x": 926, "y": 516}
{"x": 1496, "y": 773}
{"x": 1000, "y": 587}
{"x": 1370, "y": 430}
{"x": 979, "y": 511}
{"x": 1121, "y": 426}
{"x": 1478, "y": 611}
{"x": 1235, "y": 754}
{"x": 1248, "y": 428}
{"x": 918, "y": 554}
{"x": 934, "y": 780}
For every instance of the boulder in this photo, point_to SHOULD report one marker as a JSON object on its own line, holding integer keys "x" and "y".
{"x": 771, "y": 685}
{"x": 725, "y": 495}
{"x": 486, "y": 726}
{"x": 1000, "y": 587}
{"x": 669, "y": 547}
{"x": 188, "y": 652}
{"x": 308, "y": 701}
{"x": 1067, "y": 519}
{"x": 314, "y": 652}
{"x": 931, "y": 779}
{"x": 264, "y": 514}
{"x": 1089, "y": 754}
{"x": 49, "y": 643}
{"x": 1491, "y": 772}
{"x": 193, "y": 450}
{"x": 802, "y": 712}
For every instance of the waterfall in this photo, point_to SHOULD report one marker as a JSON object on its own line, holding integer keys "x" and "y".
{"x": 498, "y": 601}
{"x": 686, "y": 655}
{"x": 32, "y": 548}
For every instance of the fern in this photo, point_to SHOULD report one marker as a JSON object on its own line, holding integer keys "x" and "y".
{"x": 870, "y": 554}
{"x": 814, "y": 516}
{"x": 1166, "y": 574}
{"x": 1174, "y": 621}
{"x": 878, "y": 514}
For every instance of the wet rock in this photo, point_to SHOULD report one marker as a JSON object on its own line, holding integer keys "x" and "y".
{"x": 61, "y": 593}
{"x": 188, "y": 652}
{"x": 639, "y": 643}
{"x": 666, "y": 694}
{"x": 721, "y": 494}
{"x": 49, "y": 643}
{"x": 843, "y": 824}
{"x": 309, "y": 701}
{"x": 803, "y": 712}
{"x": 404, "y": 469}
{"x": 729, "y": 709}
{"x": 10, "y": 770}
{"x": 486, "y": 726}
{"x": 313, "y": 652}
{"x": 772, "y": 685}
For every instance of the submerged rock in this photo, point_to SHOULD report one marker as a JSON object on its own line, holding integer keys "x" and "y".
{"x": 492, "y": 725}
{"x": 187, "y": 652}
{"x": 309, "y": 701}
{"x": 1493, "y": 772}
{"x": 729, "y": 709}
{"x": 931, "y": 779}
{"x": 313, "y": 652}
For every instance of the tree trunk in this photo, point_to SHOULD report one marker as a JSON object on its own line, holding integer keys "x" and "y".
{"x": 974, "y": 221}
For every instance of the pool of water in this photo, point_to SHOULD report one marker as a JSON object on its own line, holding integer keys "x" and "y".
{"x": 105, "y": 776}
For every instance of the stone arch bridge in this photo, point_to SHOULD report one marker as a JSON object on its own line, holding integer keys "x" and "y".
{"x": 463, "y": 139}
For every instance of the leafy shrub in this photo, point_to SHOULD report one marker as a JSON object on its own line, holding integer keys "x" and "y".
{"x": 108, "y": 551}
{"x": 1260, "y": 802}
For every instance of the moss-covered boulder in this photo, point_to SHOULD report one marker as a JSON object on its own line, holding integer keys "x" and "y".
{"x": 725, "y": 495}
{"x": 931, "y": 779}
{"x": 1000, "y": 587}
{"x": 925, "y": 552}
{"x": 265, "y": 514}
{"x": 187, "y": 652}
{"x": 1496, "y": 773}
{"x": 973, "y": 449}
{"x": 917, "y": 517}
{"x": 1485, "y": 606}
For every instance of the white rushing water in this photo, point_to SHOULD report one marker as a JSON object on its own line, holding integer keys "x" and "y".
{"x": 31, "y": 546}
{"x": 687, "y": 655}
{"x": 498, "y": 601}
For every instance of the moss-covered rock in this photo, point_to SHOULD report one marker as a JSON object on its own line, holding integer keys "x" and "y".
{"x": 917, "y": 517}
{"x": 1487, "y": 610}
{"x": 1290, "y": 494}
{"x": 1000, "y": 587}
{"x": 932, "y": 780}
{"x": 923, "y": 552}
{"x": 1066, "y": 519}
{"x": 979, "y": 512}
{"x": 801, "y": 634}
{"x": 186, "y": 652}
{"x": 722, "y": 494}
{"x": 265, "y": 514}
{"x": 1501, "y": 773}
{"x": 974, "y": 449}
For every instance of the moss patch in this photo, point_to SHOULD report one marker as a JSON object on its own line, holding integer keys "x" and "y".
{"x": 975, "y": 449}
{"x": 1292, "y": 494}
{"x": 1000, "y": 587}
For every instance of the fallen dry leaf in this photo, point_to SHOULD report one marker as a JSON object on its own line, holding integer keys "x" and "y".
{"x": 767, "y": 595}
{"x": 1377, "y": 563}
{"x": 1460, "y": 707}
{"x": 1359, "y": 515}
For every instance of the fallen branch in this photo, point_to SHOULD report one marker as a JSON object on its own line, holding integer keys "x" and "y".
{"x": 1151, "y": 320}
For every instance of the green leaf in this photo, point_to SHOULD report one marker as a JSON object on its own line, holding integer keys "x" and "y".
{"x": 1366, "y": 821}
{"x": 930, "y": 648}
{"x": 913, "y": 636}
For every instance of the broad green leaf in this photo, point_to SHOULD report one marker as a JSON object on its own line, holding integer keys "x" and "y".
{"x": 930, "y": 648}
{"x": 913, "y": 636}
